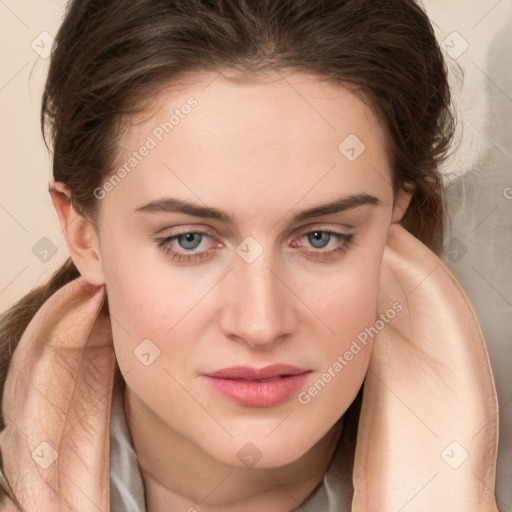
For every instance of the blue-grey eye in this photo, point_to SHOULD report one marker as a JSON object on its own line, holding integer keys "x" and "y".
{"x": 319, "y": 237}
{"x": 190, "y": 240}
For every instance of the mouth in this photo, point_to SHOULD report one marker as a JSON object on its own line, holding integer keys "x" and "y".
{"x": 258, "y": 387}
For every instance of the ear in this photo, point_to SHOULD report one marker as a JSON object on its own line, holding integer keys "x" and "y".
{"x": 80, "y": 235}
{"x": 400, "y": 205}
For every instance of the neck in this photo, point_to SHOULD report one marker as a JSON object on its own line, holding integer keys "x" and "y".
{"x": 178, "y": 475}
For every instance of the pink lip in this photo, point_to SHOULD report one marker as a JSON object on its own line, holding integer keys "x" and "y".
{"x": 243, "y": 385}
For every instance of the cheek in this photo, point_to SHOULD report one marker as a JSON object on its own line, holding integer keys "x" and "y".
{"x": 145, "y": 296}
{"x": 345, "y": 299}
{"x": 345, "y": 355}
{"x": 137, "y": 301}
{"x": 354, "y": 306}
{"x": 347, "y": 305}
{"x": 157, "y": 315}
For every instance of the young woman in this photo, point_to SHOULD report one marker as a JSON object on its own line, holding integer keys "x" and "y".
{"x": 253, "y": 308}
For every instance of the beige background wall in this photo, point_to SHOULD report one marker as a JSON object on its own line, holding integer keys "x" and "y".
{"x": 26, "y": 212}
{"x": 476, "y": 33}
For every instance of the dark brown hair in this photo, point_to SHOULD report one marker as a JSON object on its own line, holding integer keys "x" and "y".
{"x": 111, "y": 54}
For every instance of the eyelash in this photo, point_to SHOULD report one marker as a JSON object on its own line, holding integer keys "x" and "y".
{"x": 165, "y": 243}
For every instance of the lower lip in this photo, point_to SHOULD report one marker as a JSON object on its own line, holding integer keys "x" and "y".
{"x": 258, "y": 394}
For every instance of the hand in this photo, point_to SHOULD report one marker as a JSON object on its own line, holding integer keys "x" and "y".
{"x": 428, "y": 430}
{"x": 57, "y": 403}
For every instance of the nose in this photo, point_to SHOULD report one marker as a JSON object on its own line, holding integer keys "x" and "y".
{"x": 260, "y": 309}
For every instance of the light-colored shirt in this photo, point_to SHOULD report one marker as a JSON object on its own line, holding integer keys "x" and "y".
{"x": 334, "y": 494}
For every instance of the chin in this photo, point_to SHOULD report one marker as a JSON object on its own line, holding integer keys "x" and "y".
{"x": 262, "y": 450}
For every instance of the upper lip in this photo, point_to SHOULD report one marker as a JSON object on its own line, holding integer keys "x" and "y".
{"x": 251, "y": 373}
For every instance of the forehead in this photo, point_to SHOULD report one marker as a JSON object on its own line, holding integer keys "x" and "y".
{"x": 215, "y": 135}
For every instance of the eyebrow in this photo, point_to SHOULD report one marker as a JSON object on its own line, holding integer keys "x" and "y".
{"x": 175, "y": 205}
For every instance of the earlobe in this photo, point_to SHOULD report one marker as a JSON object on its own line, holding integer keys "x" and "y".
{"x": 80, "y": 235}
{"x": 400, "y": 205}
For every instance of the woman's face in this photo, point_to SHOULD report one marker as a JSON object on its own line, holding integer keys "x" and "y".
{"x": 281, "y": 192}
